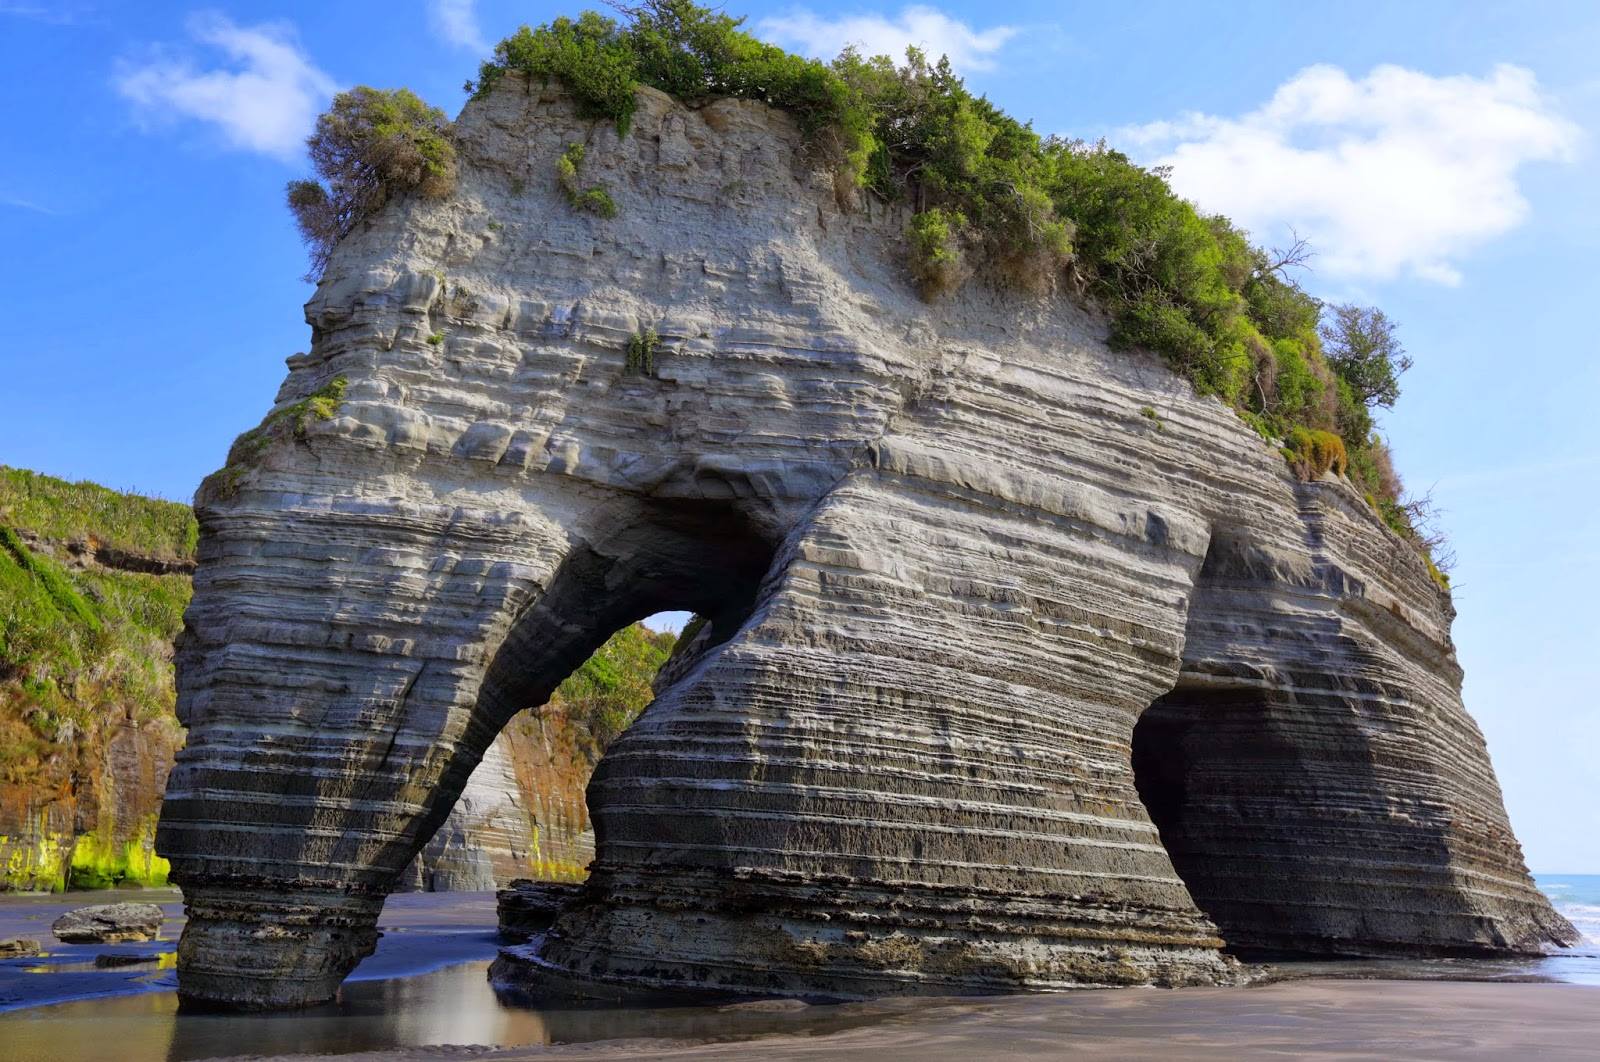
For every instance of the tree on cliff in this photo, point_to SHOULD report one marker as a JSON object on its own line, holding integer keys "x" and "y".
{"x": 1361, "y": 347}
{"x": 371, "y": 144}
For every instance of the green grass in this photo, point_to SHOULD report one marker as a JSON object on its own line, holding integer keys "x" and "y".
{"x": 292, "y": 421}
{"x": 59, "y": 511}
{"x": 82, "y": 648}
{"x": 611, "y": 688}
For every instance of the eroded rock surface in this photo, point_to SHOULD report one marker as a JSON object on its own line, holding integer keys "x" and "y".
{"x": 948, "y": 564}
{"x": 526, "y": 907}
{"x": 110, "y": 923}
{"x": 488, "y": 838}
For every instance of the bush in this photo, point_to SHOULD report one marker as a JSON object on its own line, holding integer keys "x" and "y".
{"x": 939, "y": 147}
{"x": 1313, "y": 454}
{"x": 641, "y": 356}
{"x": 595, "y": 199}
{"x": 690, "y": 52}
{"x": 369, "y": 146}
{"x": 1372, "y": 469}
{"x": 936, "y": 259}
{"x": 588, "y": 57}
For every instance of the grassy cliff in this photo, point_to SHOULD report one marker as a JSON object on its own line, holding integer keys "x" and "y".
{"x": 93, "y": 584}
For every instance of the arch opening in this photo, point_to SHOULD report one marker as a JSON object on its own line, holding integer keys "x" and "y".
{"x": 700, "y": 557}
{"x": 1276, "y": 808}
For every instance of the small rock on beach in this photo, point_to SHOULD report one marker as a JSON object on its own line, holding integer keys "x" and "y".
{"x": 112, "y": 923}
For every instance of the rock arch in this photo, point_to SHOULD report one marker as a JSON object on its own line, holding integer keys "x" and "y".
{"x": 951, "y": 557}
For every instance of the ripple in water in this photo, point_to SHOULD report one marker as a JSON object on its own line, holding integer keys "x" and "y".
{"x": 454, "y": 1005}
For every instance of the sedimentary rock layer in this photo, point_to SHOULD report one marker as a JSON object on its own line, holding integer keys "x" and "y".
{"x": 487, "y": 840}
{"x": 950, "y": 554}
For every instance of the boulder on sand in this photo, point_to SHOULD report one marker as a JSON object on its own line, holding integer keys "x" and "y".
{"x": 106, "y": 960}
{"x": 111, "y": 923}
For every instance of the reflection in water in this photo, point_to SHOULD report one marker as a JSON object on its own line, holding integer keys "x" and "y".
{"x": 451, "y": 1006}
{"x": 456, "y": 1005}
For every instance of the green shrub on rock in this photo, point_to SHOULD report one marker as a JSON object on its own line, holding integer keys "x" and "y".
{"x": 1313, "y": 454}
{"x": 593, "y": 200}
{"x": 370, "y": 145}
{"x": 936, "y": 258}
{"x": 687, "y": 51}
{"x": 293, "y": 421}
{"x": 585, "y": 55}
{"x": 641, "y": 354}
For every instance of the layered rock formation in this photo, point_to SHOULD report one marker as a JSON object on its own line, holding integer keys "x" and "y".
{"x": 951, "y": 556}
{"x": 86, "y": 585}
{"x": 488, "y": 838}
{"x": 522, "y": 812}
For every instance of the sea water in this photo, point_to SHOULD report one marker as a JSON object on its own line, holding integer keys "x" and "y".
{"x": 1578, "y": 897}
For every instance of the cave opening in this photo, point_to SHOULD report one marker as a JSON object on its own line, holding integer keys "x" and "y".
{"x": 1269, "y": 799}
{"x": 1225, "y": 782}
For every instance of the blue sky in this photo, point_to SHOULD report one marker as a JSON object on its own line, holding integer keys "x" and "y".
{"x": 1439, "y": 156}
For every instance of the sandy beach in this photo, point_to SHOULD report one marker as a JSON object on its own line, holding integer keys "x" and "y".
{"x": 1322, "y": 1019}
{"x": 425, "y": 995}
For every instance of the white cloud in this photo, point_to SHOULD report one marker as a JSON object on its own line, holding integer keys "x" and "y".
{"x": 457, "y": 22}
{"x": 265, "y": 97}
{"x": 56, "y": 14}
{"x": 1399, "y": 173}
{"x": 8, "y": 200}
{"x": 933, "y": 31}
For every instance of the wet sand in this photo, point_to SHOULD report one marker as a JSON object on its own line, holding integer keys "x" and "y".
{"x": 1321, "y": 1019}
{"x": 427, "y": 987}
